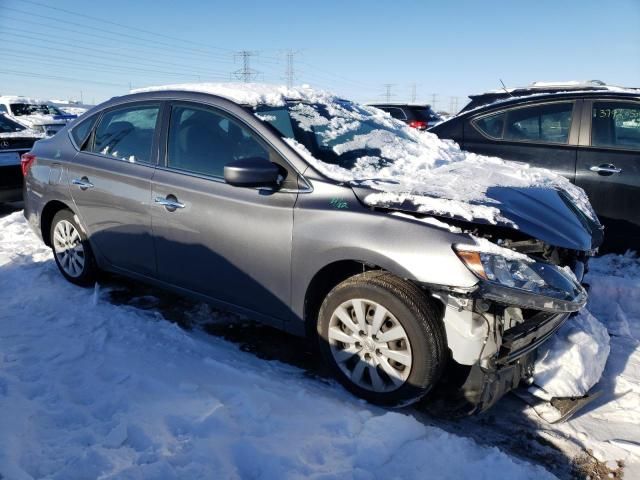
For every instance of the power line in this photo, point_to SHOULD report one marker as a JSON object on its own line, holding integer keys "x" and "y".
{"x": 246, "y": 73}
{"x": 119, "y": 35}
{"x": 127, "y": 27}
{"x": 434, "y": 97}
{"x": 20, "y": 73}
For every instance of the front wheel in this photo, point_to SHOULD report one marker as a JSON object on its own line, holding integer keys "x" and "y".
{"x": 382, "y": 338}
{"x": 71, "y": 249}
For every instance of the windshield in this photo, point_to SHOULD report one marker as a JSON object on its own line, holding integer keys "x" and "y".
{"x": 9, "y": 126}
{"x": 19, "y": 109}
{"x": 343, "y": 133}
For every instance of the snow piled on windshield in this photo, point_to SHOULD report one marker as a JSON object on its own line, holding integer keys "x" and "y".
{"x": 407, "y": 166}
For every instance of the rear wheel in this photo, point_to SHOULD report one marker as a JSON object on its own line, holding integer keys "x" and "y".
{"x": 71, "y": 249}
{"x": 382, "y": 338}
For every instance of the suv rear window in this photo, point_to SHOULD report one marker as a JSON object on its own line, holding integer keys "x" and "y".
{"x": 425, "y": 114}
{"x": 615, "y": 124}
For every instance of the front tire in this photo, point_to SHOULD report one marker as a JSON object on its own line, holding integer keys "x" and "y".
{"x": 382, "y": 338}
{"x": 71, "y": 250}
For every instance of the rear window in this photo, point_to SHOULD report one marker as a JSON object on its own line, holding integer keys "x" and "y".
{"x": 425, "y": 114}
{"x": 20, "y": 109}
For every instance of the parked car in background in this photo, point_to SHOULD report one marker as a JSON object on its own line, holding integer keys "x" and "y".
{"x": 588, "y": 132}
{"x": 416, "y": 116}
{"x": 264, "y": 200}
{"x": 15, "y": 139}
{"x": 36, "y": 114}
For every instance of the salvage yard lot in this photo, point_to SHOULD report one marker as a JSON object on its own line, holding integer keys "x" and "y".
{"x": 98, "y": 383}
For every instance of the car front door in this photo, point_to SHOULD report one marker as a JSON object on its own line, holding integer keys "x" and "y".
{"x": 608, "y": 168}
{"x": 542, "y": 135}
{"x": 110, "y": 182}
{"x": 230, "y": 243}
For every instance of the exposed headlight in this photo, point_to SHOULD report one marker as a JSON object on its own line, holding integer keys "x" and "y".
{"x": 523, "y": 276}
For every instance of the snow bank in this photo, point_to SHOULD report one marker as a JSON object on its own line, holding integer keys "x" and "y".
{"x": 89, "y": 389}
{"x": 573, "y": 360}
{"x": 435, "y": 175}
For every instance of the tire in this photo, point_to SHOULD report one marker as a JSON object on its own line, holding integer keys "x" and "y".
{"x": 71, "y": 250}
{"x": 406, "y": 306}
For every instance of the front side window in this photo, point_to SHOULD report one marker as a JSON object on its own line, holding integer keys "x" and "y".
{"x": 3, "y": 109}
{"x": 615, "y": 124}
{"x": 541, "y": 123}
{"x": 127, "y": 133}
{"x": 202, "y": 140}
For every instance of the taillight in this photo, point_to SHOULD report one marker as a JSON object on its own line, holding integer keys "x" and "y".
{"x": 26, "y": 160}
{"x": 418, "y": 124}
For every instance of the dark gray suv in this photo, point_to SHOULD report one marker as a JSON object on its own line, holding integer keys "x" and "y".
{"x": 291, "y": 206}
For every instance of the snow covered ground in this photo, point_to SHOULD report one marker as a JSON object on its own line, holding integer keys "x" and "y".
{"x": 90, "y": 388}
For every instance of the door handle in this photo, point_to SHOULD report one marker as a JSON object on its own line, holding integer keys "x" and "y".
{"x": 83, "y": 183}
{"x": 605, "y": 169}
{"x": 171, "y": 203}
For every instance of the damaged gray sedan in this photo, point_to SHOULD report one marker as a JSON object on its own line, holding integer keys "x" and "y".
{"x": 416, "y": 267}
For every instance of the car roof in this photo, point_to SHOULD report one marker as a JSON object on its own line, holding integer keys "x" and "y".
{"x": 491, "y": 100}
{"x": 400, "y": 104}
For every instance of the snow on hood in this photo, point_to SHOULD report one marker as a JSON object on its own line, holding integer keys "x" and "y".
{"x": 27, "y": 132}
{"x": 407, "y": 166}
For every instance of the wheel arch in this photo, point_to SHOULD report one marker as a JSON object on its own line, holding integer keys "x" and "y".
{"x": 48, "y": 212}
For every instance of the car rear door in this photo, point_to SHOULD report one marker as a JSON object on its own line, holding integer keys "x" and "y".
{"x": 110, "y": 182}
{"x": 229, "y": 243}
{"x": 543, "y": 135}
{"x": 608, "y": 167}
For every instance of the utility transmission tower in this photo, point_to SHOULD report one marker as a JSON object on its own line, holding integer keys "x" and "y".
{"x": 246, "y": 73}
{"x": 289, "y": 72}
{"x": 413, "y": 93}
{"x": 387, "y": 94}
{"x": 434, "y": 97}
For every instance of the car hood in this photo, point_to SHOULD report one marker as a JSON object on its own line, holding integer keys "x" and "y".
{"x": 543, "y": 213}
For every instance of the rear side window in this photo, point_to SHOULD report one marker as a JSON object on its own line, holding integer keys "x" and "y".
{"x": 203, "y": 140}
{"x": 541, "y": 123}
{"x": 3, "y": 109}
{"x": 81, "y": 131}
{"x": 548, "y": 123}
{"x": 127, "y": 133}
{"x": 492, "y": 126}
{"x": 615, "y": 124}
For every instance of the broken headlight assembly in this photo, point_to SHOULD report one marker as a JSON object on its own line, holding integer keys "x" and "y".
{"x": 524, "y": 282}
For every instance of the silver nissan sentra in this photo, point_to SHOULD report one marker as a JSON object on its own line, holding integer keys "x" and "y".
{"x": 291, "y": 206}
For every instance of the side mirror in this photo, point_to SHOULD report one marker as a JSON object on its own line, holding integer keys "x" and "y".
{"x": 251, "y": 172}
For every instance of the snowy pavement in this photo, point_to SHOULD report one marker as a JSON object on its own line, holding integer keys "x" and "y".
{"x": 90, "y": 388}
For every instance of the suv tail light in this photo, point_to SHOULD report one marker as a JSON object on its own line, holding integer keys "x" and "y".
{"x": 26, "y": 160}
{"x": 418, "y": 124}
